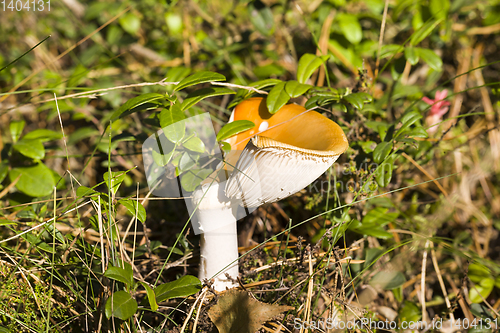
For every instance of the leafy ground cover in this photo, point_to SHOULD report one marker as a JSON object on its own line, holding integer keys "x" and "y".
{"x": 404, "y": 227}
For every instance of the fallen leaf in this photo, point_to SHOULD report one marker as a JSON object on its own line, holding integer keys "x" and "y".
{"x": 237, "y": 312}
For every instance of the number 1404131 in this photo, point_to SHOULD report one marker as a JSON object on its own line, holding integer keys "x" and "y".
{"x": 26, "y": 5}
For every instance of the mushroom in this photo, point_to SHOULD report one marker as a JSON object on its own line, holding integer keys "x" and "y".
{"x": 282, "y": 154}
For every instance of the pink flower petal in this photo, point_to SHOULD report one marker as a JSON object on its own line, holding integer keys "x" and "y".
{"x": 428, "y": 100}
{"x": 440, "y": 95}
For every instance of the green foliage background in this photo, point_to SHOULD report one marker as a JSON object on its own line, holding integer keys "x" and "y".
{"x": 113, "y": 67}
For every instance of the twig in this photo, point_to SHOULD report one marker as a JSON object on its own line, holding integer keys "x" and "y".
{"x": 464, "y": 59}
{"x": 65, "y": 144}
{"x": 199, "y": 310}
{"x": 422, "y": 282}
{"x": 381, "y": 37}
{"x": 494, "y": 136}
{"x": 441, "y": 282}
{"x": 307, "y": 314}
{"x": 491, "y": 29}
{"x": 323, "y": 45}
{"x": 11, "y": 185}
{"x": 485, "y": 301}
{"x": 461, "y": 301}
{"x": 281, "y": 262}
{"x": 441, "y": 188}
{"x": 192, "y": 309}
{"x": 93, "y": 93}
{"x": 232, "y": 85}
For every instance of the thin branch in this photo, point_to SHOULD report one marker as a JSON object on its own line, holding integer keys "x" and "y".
{"x": 239, "y": 86}
{"x": 93, "y": 93}
{"x": 381, "y": 37}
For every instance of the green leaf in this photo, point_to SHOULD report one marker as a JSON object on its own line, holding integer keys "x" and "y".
{"x": 374, "y": 231}
{"x": 16, "y": 128}
{"x": 38, "y": 243}
{"x": 43, "y": 135}
{"x": 151, "y": 296}
{"x": 121, "y": 274}
{"x": 194, "y": 144}
{"x": 130, "y": 23}
{"x": 264, "y": 83}
{"x": 379, "y": 216}
{"x": 134, "y": 104}
{"x": 497, "y": 282}
{"x": 430, "y": 58}
{"x": 409, "y": 312}
{"x": 131, "y": 206}
{"x": 174, "y": 23}
{"x": 117, "y": 178}
{"x": 163, "y": 160}
{"x": 35, "y": 181}
{"x": 121, "y": 305}
{"x": 187, "y": 161}
{"x": 407, "y": 120}
{"x": 383, "y": 174}
{"x": 262, "y": 19}
{"x": 390, "y": 50}
{"x": 4, "y": 330}
{"x": 192, "y": 178}
{"x": 80, "y": 134}
{"x": 30, "y": 148}
{"x": 439, "y": 8}
{"x": 234, "y": 128}
{"x": 175, "y": 132}
{"x": 200, "y": 94}
{"x": 417, "y": 132}
{"x": 410, "y": 118}
{"x": 478, "y": 272}
{"x": 226, "y": 147}
{"x": 277, "y": 98}
{"x": 84, "y": 191}
{"x": 382, "y": 151}
{"x": 372, "y": 255}
{"x": 295, "y": 89}
{"x": 308, "y": 63}
{"x": 350, "y": 27}
{"x": 358, "y": 99}
{"x": 183, "y": 287}
{"x": 79, "y": 73}
{"x": 272, "y": 69}
{"x": 423, "y": 32}
{"x": 164, "y": 151}
{"x": 483, "y": 288}
{"x": 199, "y": 77}
{"x": 172, "y": 124}
{"x": 178, "y": 73}
{"x": 388, "y": 280}
{"x": 368, "y": 146}
{"x": 6, "y": 222}
{"x": 382, "y": 130}
{"x": 171, "y": 115}
{"x": 4, "y": 169}
{"x": 411, "y": 55}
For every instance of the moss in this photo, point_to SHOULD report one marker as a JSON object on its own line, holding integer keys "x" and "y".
{"x": 26, "y": 305}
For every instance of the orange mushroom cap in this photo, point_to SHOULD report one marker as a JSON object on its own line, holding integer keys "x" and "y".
{"x": 292, "y": 125}
{"x": 283, "y": 153}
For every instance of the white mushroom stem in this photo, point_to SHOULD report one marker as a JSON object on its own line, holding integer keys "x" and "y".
{"x": 219, "y": 241}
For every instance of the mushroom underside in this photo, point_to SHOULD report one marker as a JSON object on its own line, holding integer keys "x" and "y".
{"x": 274, "y": 171}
